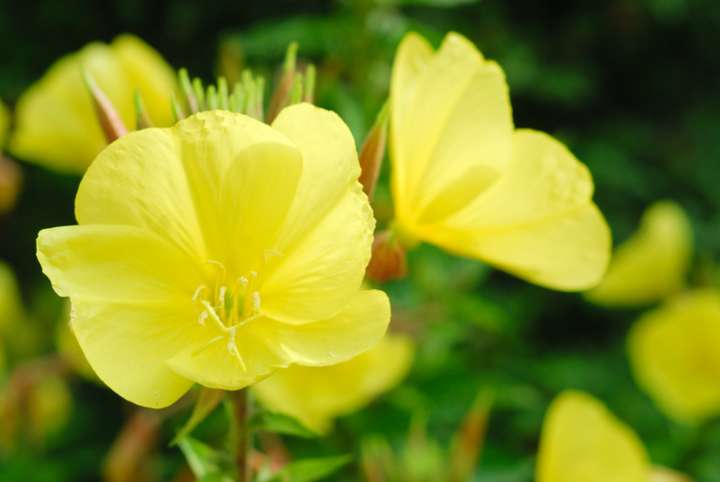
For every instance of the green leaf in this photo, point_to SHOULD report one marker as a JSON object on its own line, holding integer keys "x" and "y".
{"x": 204, "y": 461}
{"x": 310, "y": 470}
{"x": 206, "y": 403}
{"x": 280, "y": 423}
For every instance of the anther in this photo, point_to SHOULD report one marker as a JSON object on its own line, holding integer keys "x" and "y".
{"x": 256, "y": 301}
{"x": 197, "y": 292}
{"x": 203, "y": 316}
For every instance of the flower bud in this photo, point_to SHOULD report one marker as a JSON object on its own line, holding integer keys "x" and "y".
{"x": 372, "y": 152}
{"x": 10, "y": 182}
{"x": 388, "y": 258}
{"x": 107, "y": 115}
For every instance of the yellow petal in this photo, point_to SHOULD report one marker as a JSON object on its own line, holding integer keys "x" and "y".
{"x": 115, "y": 263}
{"x": 211, "y": 143}
{"x": 55, "y": 122}
{"x": 451, "y": 121}
{"x": 264, "y": 345}
{"x": 147, "y": 72}
{"x": 225, "y": 364}
{"x": 127, "y": 345}
{"x": 329, "y": 160}
{"x": 675, "y": 358}
{"x": 357, "y": 327}
{"x": 411, "y": 60}
{"x": 583, "y": 442}
{"x": 185, "y": 183}
{"x": 318, "y": 274}
{"x": 652, "y": 264}
{"x": 316, "y": 395}
{"x": 538, "y": 221}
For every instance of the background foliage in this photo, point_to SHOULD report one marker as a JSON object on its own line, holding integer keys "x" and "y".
{"x": 630, "y": 85}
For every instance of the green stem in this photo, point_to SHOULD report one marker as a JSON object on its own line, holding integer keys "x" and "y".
{"x": 241, "y": 407}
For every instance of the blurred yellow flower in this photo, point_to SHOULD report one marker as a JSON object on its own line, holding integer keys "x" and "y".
{"x": 652, "y": 264}
{"x": 218, "y": 251}
{"x": 466, "y": 180}
{"x": 315, "y": 396}
{"x": 4, "y": 123}
{"x": 55, "y": 122}
{"x": 583, "y": 442}
{"x": 675, "y": 355}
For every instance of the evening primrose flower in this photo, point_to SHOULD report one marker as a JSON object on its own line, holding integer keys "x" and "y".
{"x": 466, "y": 180}
{"x": 316, "y": 395}
{"x": 56, "y": 125}
{"x": 675, "y": 355}
{"x": 218, "y": 251}
{"x": 652, "y": 263}
{"x": 583, "y": 442}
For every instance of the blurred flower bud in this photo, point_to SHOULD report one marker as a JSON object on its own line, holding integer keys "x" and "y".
{"x": 388, "y": 258}
{"x": 128, "y": 457}
{"x": 49, "y": 405}
{"x": 469, "y": 439}
{"x": 373, "y": 152}
{"x": 284, "y": 87}
{"x": 10, "y": 182}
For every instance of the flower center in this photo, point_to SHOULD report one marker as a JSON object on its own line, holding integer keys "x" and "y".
{"x": 227, "y": 304}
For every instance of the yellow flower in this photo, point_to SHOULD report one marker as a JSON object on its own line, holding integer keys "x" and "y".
{"x": 315, "y": 396}
{"x": 651, "y": 264}
{"x": 675, "y": 355}
{"x": 218, "y": 251}
{"x": 56, "y": 124}
{"x": 466, "y": 180}
{"x": 583, "y": 442}
{"x": 4, "y": 123}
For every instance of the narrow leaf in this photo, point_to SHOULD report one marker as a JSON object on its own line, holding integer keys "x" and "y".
{"x": 280, "y": 423}
{"x": 311, "y": 470}
{"x": 206, "y": 403}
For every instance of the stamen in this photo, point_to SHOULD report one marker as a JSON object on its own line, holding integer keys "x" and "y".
{"x": 256, "y": 301}
{"x": 221, "y": 300}
{"x": 218, "y": 264}
{"x": 197, "y": 292}
{"x": 203, "y": 316}
{"x": 232, "y": 347}
{"x": 243, "y": 281}
{"x": 213, "y": 314}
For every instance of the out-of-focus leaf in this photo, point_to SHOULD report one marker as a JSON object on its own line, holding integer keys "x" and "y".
{"x": 207, "y": 401}
{"x": 281, "y": 424}
{"x": 206, "y": 463}
{"x": 310, "y": 470}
